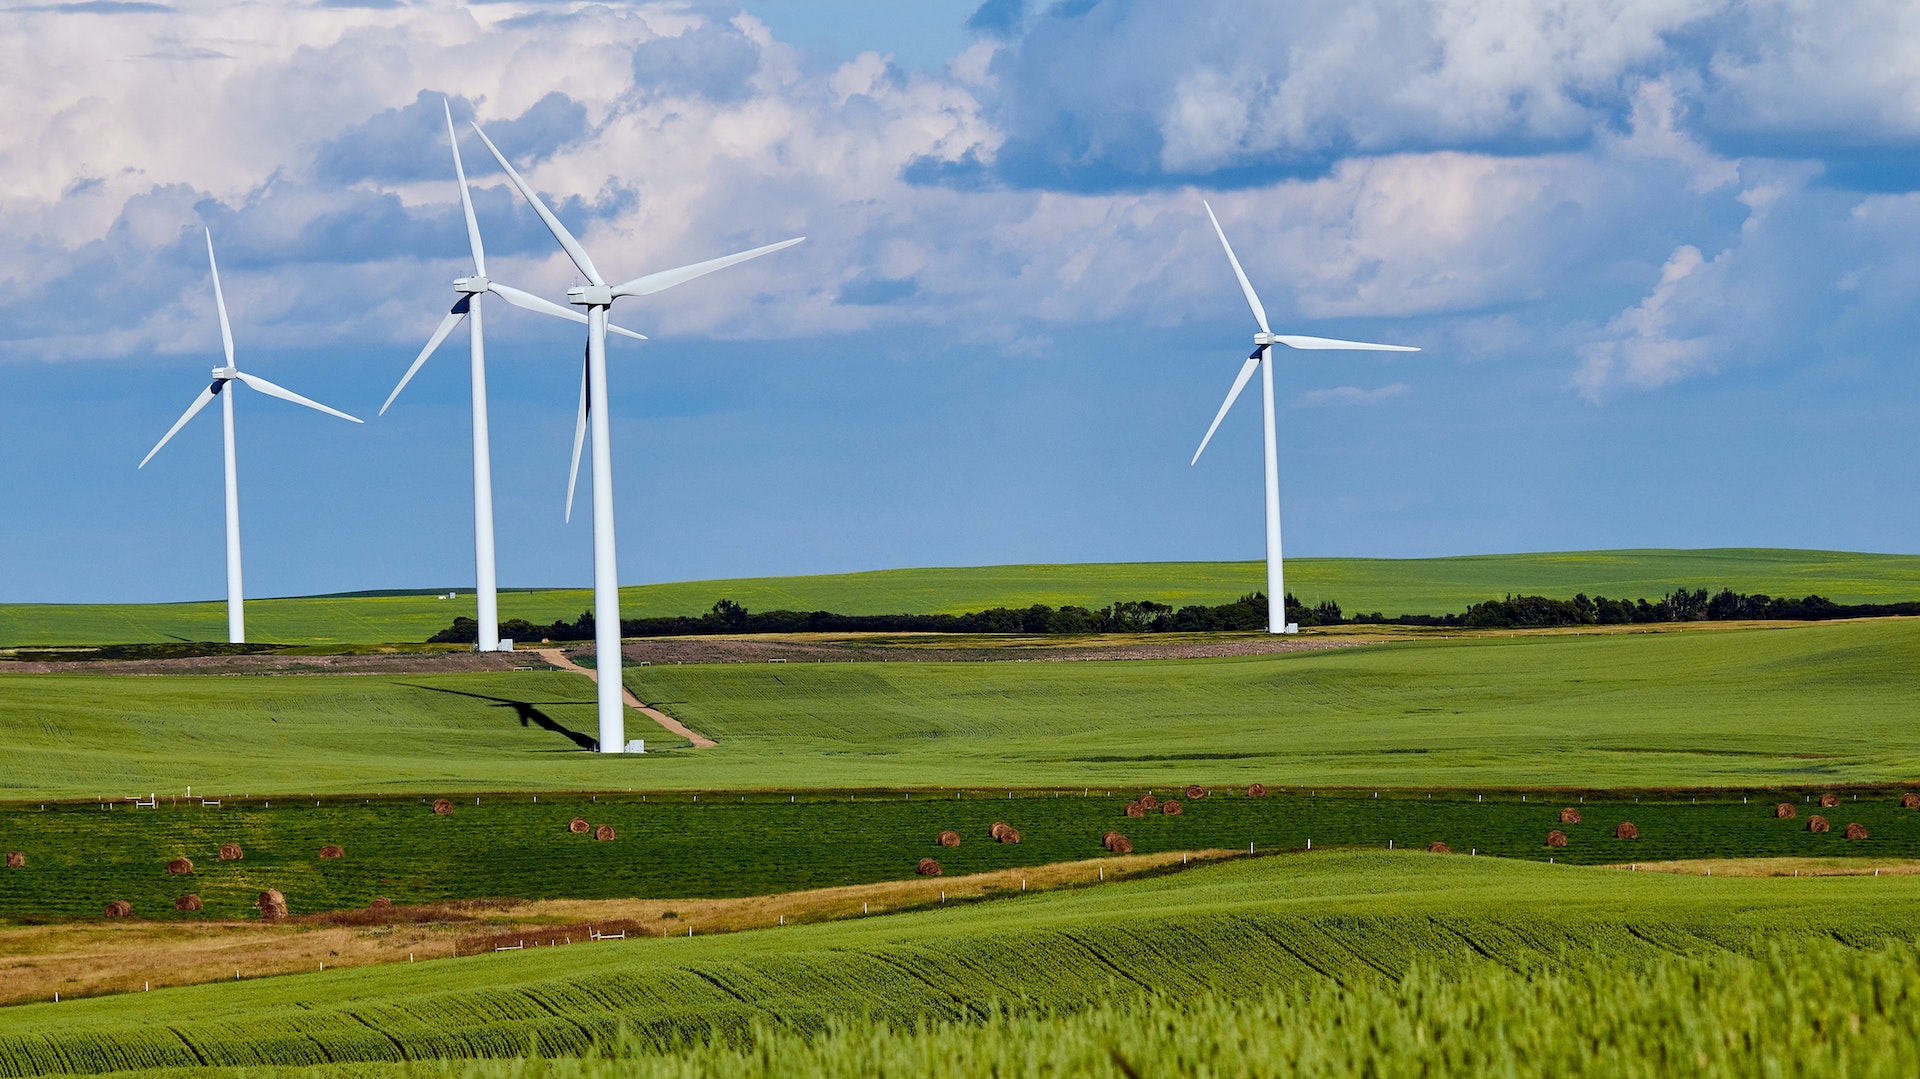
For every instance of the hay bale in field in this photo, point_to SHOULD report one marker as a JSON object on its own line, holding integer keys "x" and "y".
{"x": 1625, "y": 830}
{"x": 332, "y": 850}
{"x": 1172, "y": 808}
{"x": 1149, "y": 803}
{"x": 1195, "y": 791}
{"x": 231, "y": 852}
{"x": 1134, "y": 809}
{"x": 1437, "y": 847}
{"x": 949, "y": 838}
{"x": 16, "y": 860}
{"x": 928, "y": 868}
{"x": 1569, "y": 815}
{"x": 1107, "y": 840}
{"x": 1258, "y": 790}
{"x": 380, "y": 902}
{"x": 1556, "y": 838}
{"x": 179, "y": 867}
{"x": 1011, "y": 835}
{"x": 1910, "y": 801}
{"x": 1817, "y": 823}
{"x": 273, "y": 905}
{"x": 604, "y": 833}
{"x": 119, "y": 908}
{"x": 1829, "y": 800}
{"x": 187, "y": 902}
{"x": 579, "y": 826}
{"x": 1785, "y": 811}
{"x": 1121, "y": 845}
{"x": 998, "y": 827}
{"x": 1856, "y": 830}
{"x": 442, "y": 806}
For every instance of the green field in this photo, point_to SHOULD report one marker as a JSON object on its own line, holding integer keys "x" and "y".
{"x": 1357, "y": 919}
{"x": 1826, "y": 703}
{"x": 1392, "y": 586}
{"x": 80, "y": 857}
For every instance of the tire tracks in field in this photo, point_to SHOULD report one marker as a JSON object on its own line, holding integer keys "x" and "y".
{"x": 560, "y": 659}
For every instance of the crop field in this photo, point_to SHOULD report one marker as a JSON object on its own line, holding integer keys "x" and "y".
{"x": 79, "y": 858}
{"x": 1728, "y": 707}
{"x": 1392, "y": 586}
{"x": 1238, "y": 929}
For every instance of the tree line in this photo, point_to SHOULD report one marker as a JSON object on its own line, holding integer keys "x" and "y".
{"x": 1249, "y": 612}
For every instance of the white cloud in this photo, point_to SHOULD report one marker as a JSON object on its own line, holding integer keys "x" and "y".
{"x": 1354, "y": 395}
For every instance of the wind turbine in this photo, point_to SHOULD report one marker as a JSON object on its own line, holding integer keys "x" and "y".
{"x": 597, "y": 297}
{"x": 470, "y": 289}
{"x": 222, "y": 376}
{"x": 1262, "y": 358}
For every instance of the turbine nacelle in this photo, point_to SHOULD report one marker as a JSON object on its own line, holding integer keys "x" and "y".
{"x": 472, "y": 285}
{"x": 226, "y": 374}
{"x": 591, "y": 295}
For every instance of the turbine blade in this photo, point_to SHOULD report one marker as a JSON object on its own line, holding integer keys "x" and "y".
{"x": 1296, "y": 341}
{"x": 1246, "y": 286}
{"x": 466, "y": 199}
{"x": 285, "y": 394}
{"x": 193, "y": 410}
{"x": 624, "y": 332}
{"x": 567, "y": 243}
{"x": 530, "y": 302}
{"x": 220, "y": 301}
{"x": 666, "y": 279}
{"x": 447, "y": 324}
{"x": 1246, "y": 372}
{"x": 579, "y": 439}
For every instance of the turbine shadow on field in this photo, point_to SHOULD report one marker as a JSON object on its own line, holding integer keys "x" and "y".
{"x": 528, "y": 713}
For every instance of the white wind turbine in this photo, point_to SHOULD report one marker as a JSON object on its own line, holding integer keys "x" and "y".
{"x": 486, "y": 590}
{"x": 1262, "y": 358}
{"x": 222, "y": 377}
{"x": 597, "y": 297}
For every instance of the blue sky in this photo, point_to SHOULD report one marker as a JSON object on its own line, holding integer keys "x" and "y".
{"x": 1659, "y": 256}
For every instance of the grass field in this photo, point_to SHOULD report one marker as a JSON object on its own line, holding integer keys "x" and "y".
{"x": 1393, "y": 586}
{"x": 1356, "y": 919}
{"x": 1826, "y": 703}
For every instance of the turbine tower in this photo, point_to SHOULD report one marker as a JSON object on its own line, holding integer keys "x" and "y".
{"x": 1262, "y": 358}
{"x": 597, "y": 297}
{"x": 467, "y": 306}
{"x": 222, "y": 376}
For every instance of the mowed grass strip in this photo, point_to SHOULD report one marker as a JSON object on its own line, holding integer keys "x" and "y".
{"x": 1235, "y": 929}
{"x": 1823, "y": 703}
{"x": 1392, "y": 586}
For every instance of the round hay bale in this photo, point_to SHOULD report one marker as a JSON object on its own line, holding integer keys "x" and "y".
{"x": 1437, "y": 847}
{"x": 1121, "y": 845}
{"x": 1134, "y": 809}
{"x": 1829, "y": 800}
{"x": 119, "y": 908}
{"x": 1626, "y": 830}
{"x": 1910, "y": 801}
{"x": 231, "y": 852}
{"x": 1569, "y": 815}
{"x": 928, "y": 868}
{"x": 187, "y": 902}
{"x": 273, "y": 905}
{"x": 604, "y": 833}
{"x": 179, "y": 867}
{"x": 1258, "y": 790}
{"x": 1149, "y": 803}
{"x": 442, "y": 806}
{"x": 1194, "y": 791}
{"x": 332, "y": 850}
{"x": 949, "y": 838}
{"x": 579, "y": 826}
{"x": 1856, "y": 830}
{"x": 1556, "y": 838}
{"x": 1785, "y": 811}
{"x": 380, "y": 902}
{"x": 16, "y": 860}
{"x": 1107, "y": 840}
{"x": 1817, "y": 823}
{"x": 1011, "y": 835}
{"x": 1172, "y": 808}
{"x": 998, "y": 827}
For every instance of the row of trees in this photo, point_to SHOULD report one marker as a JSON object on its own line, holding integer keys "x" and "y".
{"x": 1249, "y": 612}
